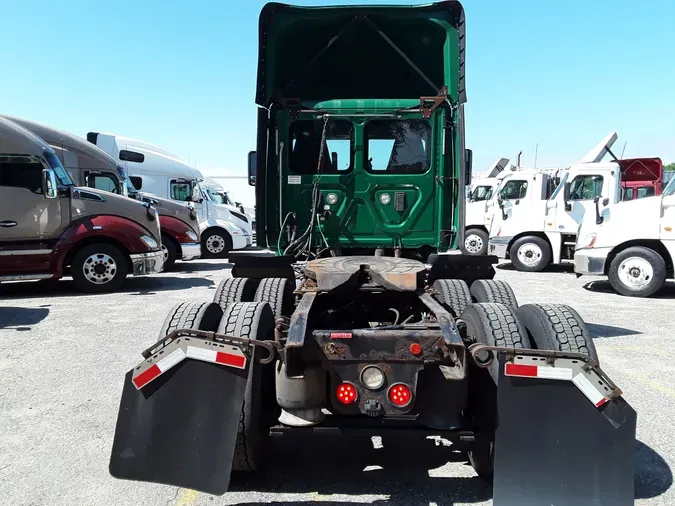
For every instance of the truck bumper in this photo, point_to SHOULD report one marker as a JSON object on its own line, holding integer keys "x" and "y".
{"x": 498, "y": 245}
{"x": 591, "y": 261}
{"x": 147, "y": 263}
{"x": 241, "y": 241}
{"x": 190, "y": 251}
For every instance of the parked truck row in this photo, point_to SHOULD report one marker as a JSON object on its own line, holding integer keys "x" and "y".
{"x": 103, "y": 208}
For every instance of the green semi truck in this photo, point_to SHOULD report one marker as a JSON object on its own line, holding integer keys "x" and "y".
{"x": 361, "y": 319}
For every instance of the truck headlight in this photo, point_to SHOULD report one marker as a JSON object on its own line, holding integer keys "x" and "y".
{"x": 192, "y": 235}
{"x": 588, "y": 241}
{"x": 149, "y": 241}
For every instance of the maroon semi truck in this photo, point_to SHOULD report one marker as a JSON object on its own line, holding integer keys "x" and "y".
{"x": 90, "y": 166}
{"x": 50, "y": 228}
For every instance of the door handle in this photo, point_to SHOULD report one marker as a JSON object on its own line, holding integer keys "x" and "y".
{"x": 8, "y": 224}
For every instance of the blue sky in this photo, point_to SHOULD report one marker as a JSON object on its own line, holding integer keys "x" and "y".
{"x": 181, "y": 74}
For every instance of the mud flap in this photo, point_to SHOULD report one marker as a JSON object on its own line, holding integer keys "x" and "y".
{"x": 181, "y": 429}
{"x": 553, "y": 446}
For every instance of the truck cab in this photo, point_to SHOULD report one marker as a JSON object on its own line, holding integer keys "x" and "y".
{"x": 159, "y": 172}
{"x": 51, "y": 228}
{"x": 630, "y": 242}
{"x": 540, "y": 214}
{"x": 479, "y": 208}
{"x": 89, "y": 166}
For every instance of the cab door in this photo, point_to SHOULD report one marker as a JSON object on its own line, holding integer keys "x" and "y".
{"x": 25, "y": 214}
{"x": 667, "y": 218}
{"x": 579, "y": 202}
{"x": 513, "y": 200}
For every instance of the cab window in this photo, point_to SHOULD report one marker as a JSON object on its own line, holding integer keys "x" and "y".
{"x": 21, "y": 172}
{"x": 586, "y": 187}
{"x": 180, "y": 191}
{"x": 102, "y": 182}
{"x": 398, "y": 147}
{"x": 515, "y": 189}
{"x": 337, "y": 154}
{"x": 645, "y": 191}
{"x": 481, "y": 193}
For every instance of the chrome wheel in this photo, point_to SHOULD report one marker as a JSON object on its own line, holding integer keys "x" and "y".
{"x": 635, "y": 272}
{"x": 215, "y": 244}
{"x": 165, "y": 252}
{"x": 530, "y": 254}
{"x": 99, "y": 269}
{"x": 473, "y": 243}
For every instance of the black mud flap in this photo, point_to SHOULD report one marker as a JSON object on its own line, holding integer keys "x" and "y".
{"x": 181, "y": 429}
{"x": 553, "y": 446}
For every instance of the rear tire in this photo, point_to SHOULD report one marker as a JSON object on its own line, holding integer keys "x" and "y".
{"x": 530, "y": 254}
{"x": 557, "y": 327}
{"x": 492, "y": 290}
{"x": 278, "y": 293}
{"x": 252, "y": 320}
{"x": 192, "y": 315}
{"x": 99, "y": 268}
{"x": 232, "y": 290}
{"x": 170, "y": 250}
{"x": 216, "y": 243}
{"x": 453, "y": 294}
{"x": 495, "y": 325}
{"x": 637, "y": 272}
{"x": 475, "y": 242}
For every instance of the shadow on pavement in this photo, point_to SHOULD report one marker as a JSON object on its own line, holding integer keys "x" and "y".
{"x": 565, "y": 268}
{"x": 653, "y": 475}
{"x": 329, "y": 465}
{"x": 147, "y": 285}
{"x": 324, "y": 466}
{"x": 603, "y": 286}
{"x": 200, "y": 266}
{"x": 600, "y": 331}
{"x": 21, "y": 318}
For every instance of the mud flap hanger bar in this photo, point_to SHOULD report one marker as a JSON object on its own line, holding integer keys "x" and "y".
{"x": 211, "y": 347}
{"x": 578, "y": 368}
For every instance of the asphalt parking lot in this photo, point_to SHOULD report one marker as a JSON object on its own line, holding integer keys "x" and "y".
{"x": 63, "y": 357}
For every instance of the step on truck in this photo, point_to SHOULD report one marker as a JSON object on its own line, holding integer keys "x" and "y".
{"x": 50, "y": 228}
{"x": 360, "y": 321}
{"x": 539, "y": 213}
{"x": 159, "y": 172}
{"x": 89, "y": 166}
{"x": 632, "y": 243}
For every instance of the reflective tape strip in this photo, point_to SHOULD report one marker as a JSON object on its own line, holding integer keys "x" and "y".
{"x": 230, "y": 356}
{"x": 587, "y": 388}
{"x": 537, "y": 371}
{"x": 340, "y": 335}
{"x": 531, "y": 367}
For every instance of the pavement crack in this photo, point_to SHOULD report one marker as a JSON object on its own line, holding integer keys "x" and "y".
{"x": 174, "y": 497}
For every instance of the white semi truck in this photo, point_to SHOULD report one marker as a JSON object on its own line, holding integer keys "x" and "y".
{"x": 538, "y": 213}
{"x": 632, "y": 243}
{"x": 155, "y": 170}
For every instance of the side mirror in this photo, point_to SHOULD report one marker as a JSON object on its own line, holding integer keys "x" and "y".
{"x": 566, "y": 196}
{"x": 334, "y": 160}
{"x": 605, "y": 202}
{"x": 50, "y": 188}
{"x": 598, "y": 218}
{"x": 121, "y": 188}
{"x": 468, "y": 164}
{"x": 252, "y": 166}
{"x": 131, "y": 156}
{"x": 196, "y": 194}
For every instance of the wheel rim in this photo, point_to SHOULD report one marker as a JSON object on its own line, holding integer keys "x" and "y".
{"x": 215, "y": 244}
{"x": 636, "y": 272}
{"x": 165, "y": 252}
{"x": 530, "y": 254}
{"x": 473, "y": 243}
{"x": 99, "y": 269}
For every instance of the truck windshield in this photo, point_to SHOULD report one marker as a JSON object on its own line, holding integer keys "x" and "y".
{"x": 61, "y": 173}
{"x": 131, "y": 189}
{"x": 219, "y": 197}
{"x": 670, "y": 188}
{"x": 481, "y": 193}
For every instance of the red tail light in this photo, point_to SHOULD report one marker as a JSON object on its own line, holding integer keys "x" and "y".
{"x": 400, "y": 395}
{"x": 346, "y": 393}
